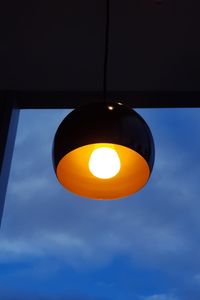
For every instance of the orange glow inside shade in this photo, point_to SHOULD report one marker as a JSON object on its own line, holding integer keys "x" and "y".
{"x": 74, "y": 172}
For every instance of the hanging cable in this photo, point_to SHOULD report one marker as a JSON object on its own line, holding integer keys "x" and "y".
{"x": 105, "y": 71}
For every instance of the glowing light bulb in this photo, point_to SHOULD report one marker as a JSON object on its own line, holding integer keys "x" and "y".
{"x": 104, "y": 163}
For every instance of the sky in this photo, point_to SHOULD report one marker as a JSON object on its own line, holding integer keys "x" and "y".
{"x": 57, "y": 246}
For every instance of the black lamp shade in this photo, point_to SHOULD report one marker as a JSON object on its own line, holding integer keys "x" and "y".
{"x": 111, "y": 125}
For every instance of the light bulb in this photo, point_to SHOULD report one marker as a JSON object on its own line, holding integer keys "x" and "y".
{"x": 104, "y": 163}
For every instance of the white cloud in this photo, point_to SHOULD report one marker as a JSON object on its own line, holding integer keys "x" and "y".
{"x": 160, "y": 297}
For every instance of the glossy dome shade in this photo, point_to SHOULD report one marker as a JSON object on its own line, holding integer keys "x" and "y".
{"x": 91, "y": 127}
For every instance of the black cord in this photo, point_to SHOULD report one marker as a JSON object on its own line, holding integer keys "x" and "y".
{"x": 105, "y": 71}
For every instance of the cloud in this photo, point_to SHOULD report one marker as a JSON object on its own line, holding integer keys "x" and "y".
{"x": 160, "y": 297}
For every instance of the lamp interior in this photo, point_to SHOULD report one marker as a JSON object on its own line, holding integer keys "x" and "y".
{"x": 74, "y": 174}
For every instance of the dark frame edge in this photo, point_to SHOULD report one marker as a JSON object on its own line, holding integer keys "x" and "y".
{"x": 73, "y": 99}
{"x": 9, "y": 116}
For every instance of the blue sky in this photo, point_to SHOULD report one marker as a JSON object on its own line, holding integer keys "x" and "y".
{"x": 57, "y": 246}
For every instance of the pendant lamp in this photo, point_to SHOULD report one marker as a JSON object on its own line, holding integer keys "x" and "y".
{"x": 103, "y": 151}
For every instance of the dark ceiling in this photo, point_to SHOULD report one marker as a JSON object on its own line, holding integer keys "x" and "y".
{"x": 55, "y": 50}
